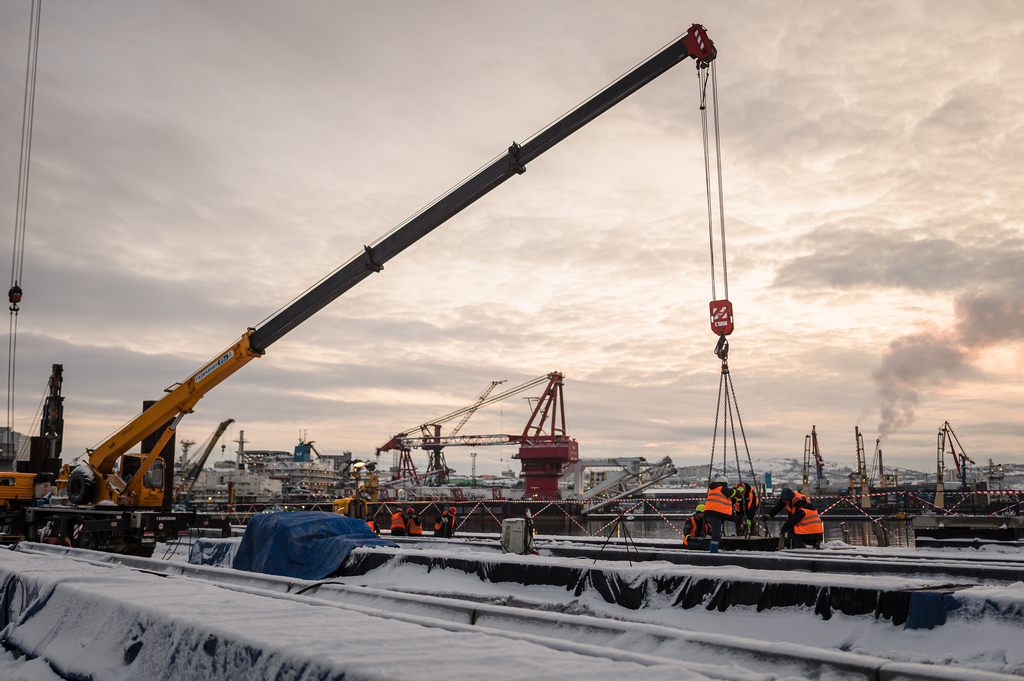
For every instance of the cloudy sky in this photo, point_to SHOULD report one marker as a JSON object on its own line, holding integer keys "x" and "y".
{"x": 196, "y": 165}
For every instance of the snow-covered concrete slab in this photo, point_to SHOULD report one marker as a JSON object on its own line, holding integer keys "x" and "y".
{"x": 841, "y": 648}
{"x": 112, "y": 623}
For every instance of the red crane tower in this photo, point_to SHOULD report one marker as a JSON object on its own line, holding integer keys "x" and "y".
{"x": 545, "y": 454}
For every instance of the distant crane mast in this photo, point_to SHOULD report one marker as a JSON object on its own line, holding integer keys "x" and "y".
{"x": 862, "y": 485}
{"x": 476, "y": 405}
{"x": 811, "y": 450}
{"x": 188, "y": 480}
{"x": 437, "y": 467}
{"x": 876, "y": 463}
{"x": 960, "y": 459}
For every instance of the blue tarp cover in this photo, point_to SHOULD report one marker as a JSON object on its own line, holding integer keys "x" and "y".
{"x": 302, "y": 544}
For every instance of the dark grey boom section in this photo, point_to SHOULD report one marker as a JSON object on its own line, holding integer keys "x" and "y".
{"x": 511, "y": 163}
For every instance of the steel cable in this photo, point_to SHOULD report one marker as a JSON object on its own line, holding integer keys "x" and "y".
{"x": 702, "y": 86}
{"x": 21, "y": 209}
{"x": 721, "y": 194}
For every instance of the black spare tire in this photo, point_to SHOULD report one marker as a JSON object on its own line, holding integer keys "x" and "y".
{"x": 81, "y": 487}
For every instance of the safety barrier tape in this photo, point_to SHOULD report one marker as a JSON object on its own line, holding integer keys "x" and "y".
{"x": 467, "y": 516}
{"x": 611, "y": 522}
{"x": 953, "y": 508}
{"x": 669, "y": 521}
{"x": 1004, "y": 509}
{"x": 841, "y": 500}
{"x": 869, "y": 517}
{"x": 562, "y": 509}
{"x": 562, "y": 505}
{"x": 924, "y": 501}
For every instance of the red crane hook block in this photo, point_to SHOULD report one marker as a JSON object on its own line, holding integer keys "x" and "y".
{"x": 721, "y": 317}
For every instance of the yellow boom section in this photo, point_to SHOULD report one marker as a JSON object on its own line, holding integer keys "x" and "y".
{"x": 179, "y": 400}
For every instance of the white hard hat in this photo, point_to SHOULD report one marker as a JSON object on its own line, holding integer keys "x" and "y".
{"x": 720, "y": 478}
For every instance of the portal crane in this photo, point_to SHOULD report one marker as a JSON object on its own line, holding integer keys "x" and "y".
{"x": 430, "y": 438}
{"x": 437, "y": 467}
{"x": 545, "y": 447}
{"x": 960, "y": 460}
{"x": 861, "y": 484}
{"x": 95, "y": 480}
{"x": 811, "y": 450}
{"x": 188, "y": 481}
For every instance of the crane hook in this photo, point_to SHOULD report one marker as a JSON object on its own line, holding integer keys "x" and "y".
{"x": 14, "y": 295}
{"x": 722, "y": 349}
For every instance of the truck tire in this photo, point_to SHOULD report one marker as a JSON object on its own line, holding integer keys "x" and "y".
{"x": 81, "y": 488}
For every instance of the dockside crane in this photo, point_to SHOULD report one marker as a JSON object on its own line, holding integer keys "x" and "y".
{"x": 437, "y": 468}
{"x": 946, "y": 438}
{"x": 97, "y": 481}
{"x": 188, "y": 481}
{"x": 430, "y": 438}
{"x": 545, "y": 448}
{"x": 861, "y": 483}
{"x": 811, "y": 450}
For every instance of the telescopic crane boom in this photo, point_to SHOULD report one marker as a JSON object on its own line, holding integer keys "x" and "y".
{"x": 96, "y": 481}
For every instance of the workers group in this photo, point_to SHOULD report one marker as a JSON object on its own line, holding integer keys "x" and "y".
{"x": 408, "y": 523}
{"x": 739, "y": 504}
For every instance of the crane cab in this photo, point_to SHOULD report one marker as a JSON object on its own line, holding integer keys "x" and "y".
{"x": 152, "y": 491}
{"x": 16, "y": 489}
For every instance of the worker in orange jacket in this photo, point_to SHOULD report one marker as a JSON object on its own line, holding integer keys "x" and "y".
{"x": 444, "y": 526}
{"x": 718, "y": 508}
{"x": 745, "y": 509}
{"x": 398, "y": 523}
{"x": 695, "y": 526}
{"x": 804, "y": 524}
{"x": 413, "y": 524}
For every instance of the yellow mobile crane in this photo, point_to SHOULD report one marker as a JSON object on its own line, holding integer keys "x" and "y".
{"x": 94, "y": 483}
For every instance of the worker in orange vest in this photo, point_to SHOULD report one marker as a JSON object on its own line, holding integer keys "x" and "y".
{"x": 444, "y": 526}
{"x": 398, "y": 523}
{"x": 745, "y": 509}
{"x": 804, "y": 524}
{"x": 695, "y": 526}
{"x": 718, "y": 508}
{"x": 414, "y": 526}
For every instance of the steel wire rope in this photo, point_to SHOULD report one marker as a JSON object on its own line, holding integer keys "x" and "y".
{"x": 718, "y": 161}
{"x": 35, "y": 418}
{"x": 490, "y": 400}
{"x": 21, "y": 207}
{"x": 702, "y": 87}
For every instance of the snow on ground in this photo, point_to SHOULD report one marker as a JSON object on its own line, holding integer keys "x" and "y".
{"x": 84, "y": 619}
{"x": 90, "y": 615}
{"x": 970, "y": 638}
{"x": 13, "y": 669}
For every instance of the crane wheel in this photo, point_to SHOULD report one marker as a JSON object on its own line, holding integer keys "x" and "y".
{"x": 81, "y": 488}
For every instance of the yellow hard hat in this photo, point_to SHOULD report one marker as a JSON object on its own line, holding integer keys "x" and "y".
{"x": 700, "y": 508}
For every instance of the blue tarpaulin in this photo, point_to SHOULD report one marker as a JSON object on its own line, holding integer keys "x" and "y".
{"x": 302, "y": 544}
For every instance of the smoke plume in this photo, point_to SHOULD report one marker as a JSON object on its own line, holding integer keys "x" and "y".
{"x": 910, "y": 361}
